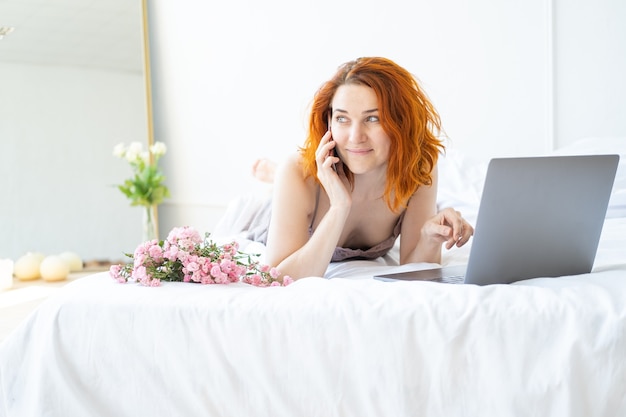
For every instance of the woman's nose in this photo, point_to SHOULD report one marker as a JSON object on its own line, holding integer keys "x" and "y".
{"x": 357, "y": 133}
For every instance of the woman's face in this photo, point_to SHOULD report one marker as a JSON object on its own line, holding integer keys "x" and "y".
{"x": 362, "y": 144}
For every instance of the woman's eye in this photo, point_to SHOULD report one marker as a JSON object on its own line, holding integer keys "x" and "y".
{"x": 341, "y": 119}
{"x": 373, "y": 119}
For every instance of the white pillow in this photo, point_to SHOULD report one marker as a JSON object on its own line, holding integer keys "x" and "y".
{"x": 461, "y": 183}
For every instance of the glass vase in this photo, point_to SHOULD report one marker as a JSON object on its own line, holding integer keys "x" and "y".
{"x": 150, "y": 227}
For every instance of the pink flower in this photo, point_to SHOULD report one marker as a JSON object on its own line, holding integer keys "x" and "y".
{"x": 171, "y": 253}
{"x": 207, "y": 280}
{"x": 115, "y": 271}
{"x": 140, "y": 273}
{"x": 218, "y": 275}
{"x": 255, "y": 279}
{"x": 140, "y": 259}
{"x": 155, "y": 252}
{"x": 185, "y": 237}
{"x": 205, "y": 265}
{"x": 186, "y": 256}
{"x": 274, "y": 273}
{"x": 182, "y": 256}
{"x": 192, "y": 267}
{"x": 227, "y": 266}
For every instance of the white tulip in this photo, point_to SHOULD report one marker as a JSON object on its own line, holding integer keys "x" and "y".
{"x": 119, "y": 150}
{"x": 158, "y": 149}
{"x": 133, "y": 153}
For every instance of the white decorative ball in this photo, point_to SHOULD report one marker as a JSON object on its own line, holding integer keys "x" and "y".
{"x": 27, "y": 267}
{"x": 54, "y": 268}
{"x": 73, "y": 261}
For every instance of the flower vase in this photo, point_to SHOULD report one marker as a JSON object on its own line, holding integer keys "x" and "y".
{"x": 150, "y": 228}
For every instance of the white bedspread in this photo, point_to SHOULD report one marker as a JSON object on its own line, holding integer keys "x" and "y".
{"x": 351, "y": 346}
{"x": 345, "y": 346}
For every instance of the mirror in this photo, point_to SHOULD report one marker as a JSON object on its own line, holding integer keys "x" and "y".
{"x": 73, "y": 86}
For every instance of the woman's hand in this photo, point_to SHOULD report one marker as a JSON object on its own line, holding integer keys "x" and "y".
{"x": 290, "y": 247}
{"x": 448, "y": 226}
{"x": 330, "y": 172}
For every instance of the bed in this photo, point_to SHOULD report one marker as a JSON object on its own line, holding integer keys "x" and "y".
{"x": 343, "y": 345}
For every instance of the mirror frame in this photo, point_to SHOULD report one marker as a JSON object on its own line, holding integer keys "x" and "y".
{"x": 148, "y": 89}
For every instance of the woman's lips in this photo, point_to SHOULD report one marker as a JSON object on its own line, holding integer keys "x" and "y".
{"x": 358, "y": 151}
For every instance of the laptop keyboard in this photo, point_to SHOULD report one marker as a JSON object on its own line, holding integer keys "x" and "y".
{"x": 455, "y": 279}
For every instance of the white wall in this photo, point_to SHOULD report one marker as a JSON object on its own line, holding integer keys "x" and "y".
{"x": 232, "y": 80}
{"x": 58, "y": 126}
{"x": 590, "y": 69}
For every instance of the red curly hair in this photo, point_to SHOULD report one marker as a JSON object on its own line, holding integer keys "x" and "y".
{"x": 406, "y": 115}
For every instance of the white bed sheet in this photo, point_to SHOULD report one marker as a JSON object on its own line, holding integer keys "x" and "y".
{"x": 345, "y": 346}
{"x": 351, "y": 346}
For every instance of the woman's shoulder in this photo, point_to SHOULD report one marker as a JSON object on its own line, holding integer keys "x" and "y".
{"x": 291, "y": 166}
{"x": 294, "y": 192}
{"x": 291, "y": 170}
{"x": 293, "y": 159}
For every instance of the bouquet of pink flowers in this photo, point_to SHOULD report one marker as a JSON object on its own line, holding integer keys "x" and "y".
{"x": 186, "y": 256}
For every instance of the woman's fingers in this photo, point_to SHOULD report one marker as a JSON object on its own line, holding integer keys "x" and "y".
{"x": 450, "y": 227}
{"x": 325, "y": 155}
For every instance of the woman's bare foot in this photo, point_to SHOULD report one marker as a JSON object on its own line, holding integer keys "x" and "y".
{"x": 263, "y": 170}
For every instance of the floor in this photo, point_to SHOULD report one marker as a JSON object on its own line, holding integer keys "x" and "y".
{"x": 17, "y": 302}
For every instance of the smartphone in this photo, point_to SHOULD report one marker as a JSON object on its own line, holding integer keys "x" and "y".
{"x": 328, "y": 124}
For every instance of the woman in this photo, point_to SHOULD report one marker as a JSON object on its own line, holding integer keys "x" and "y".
{"x": 366, "y": 174}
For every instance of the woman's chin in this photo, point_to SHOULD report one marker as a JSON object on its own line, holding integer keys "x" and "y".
{"x": 361, "y": 168}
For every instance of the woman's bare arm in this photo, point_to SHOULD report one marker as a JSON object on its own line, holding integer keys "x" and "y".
{"x": 424, "y": 230}
{"x": 414, "y": 247}
{"x": 289, "y": 247}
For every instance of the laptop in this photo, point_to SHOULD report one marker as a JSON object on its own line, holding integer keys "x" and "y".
{"x": 538, "y": 217}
